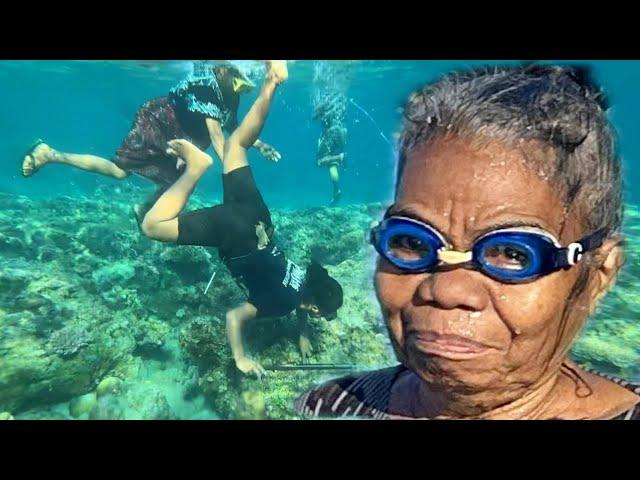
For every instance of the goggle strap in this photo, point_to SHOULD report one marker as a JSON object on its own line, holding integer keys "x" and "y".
{"x": 373, "y": 235}
{"x": 594, "y": 240}
{"x": 573, "y": 253}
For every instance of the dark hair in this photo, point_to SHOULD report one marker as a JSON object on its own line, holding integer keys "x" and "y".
{"x": 561, "y": 107}
{"x": 322, "y": 290}
{"x": 226, "y": 74}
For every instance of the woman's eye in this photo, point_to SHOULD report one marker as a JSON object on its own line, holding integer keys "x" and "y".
{"x": 515, "y": 255}
{"x": 509, "y": 257}
{"x": 408, "y": 247}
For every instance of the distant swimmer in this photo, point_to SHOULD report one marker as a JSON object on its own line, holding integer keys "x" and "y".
{"x": 329, "y": 102}
{"x": 197, "y": 109}
{"x": 242, "y": 231}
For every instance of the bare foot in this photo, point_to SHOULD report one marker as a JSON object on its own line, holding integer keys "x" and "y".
{"x": 336, "y": 197}
{"x": 277, "y": 69}
{"x": 196, "y": 159}
{"x": 40, "y": 156}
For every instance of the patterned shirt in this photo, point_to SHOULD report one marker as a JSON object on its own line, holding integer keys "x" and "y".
{"x": 197, "y": 98}
{"x": 368, "y": 396}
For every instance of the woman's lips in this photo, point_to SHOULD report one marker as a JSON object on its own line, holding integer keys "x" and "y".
{"x": 448, "y": 346}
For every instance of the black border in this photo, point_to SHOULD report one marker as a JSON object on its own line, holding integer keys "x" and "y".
{"x": 326, "y": 440}
{"x": 113, "y": 33}
{"x": 312, "y": 30}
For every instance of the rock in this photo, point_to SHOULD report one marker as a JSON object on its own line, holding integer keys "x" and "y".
{"x": 204, "y": 340}
{"x": 13, "y": 282}
{"x": 118, "y": 273}
{"x": 192, "y": 264}
{"x": 82, "y": 404}
{"x": 158, "y": 409}
{"x": 69, "y": 340}
{"x": 107, "y": 408}
{"x": 109, "y": 386}
{"x": 252, "y": 406}
{"x": 150, "y": 335}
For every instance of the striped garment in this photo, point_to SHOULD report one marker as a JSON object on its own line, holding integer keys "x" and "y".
{"x": 367, "y": 396}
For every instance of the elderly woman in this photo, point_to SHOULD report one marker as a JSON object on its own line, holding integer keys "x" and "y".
{"x": 503, "y": 237}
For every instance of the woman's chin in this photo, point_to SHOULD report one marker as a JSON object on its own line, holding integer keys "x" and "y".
{"x": 462, "y": 375}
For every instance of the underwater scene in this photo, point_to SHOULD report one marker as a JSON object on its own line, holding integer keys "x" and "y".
{"x": 100, "y": 322}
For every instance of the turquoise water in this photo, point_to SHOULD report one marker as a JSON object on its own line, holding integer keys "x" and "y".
{"x": 61, "y": 265}
{"x": 88, "y": 107}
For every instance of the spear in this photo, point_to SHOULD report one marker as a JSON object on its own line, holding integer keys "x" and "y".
{"x": 317, "y": 366}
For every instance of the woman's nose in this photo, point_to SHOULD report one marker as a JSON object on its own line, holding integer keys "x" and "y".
{"x": 454, "y": 288}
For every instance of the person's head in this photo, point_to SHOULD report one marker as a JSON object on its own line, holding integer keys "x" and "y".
{"x": 233, "y": 80}
{"x": 322, "y": 295}
{"x": 528, "y": 148}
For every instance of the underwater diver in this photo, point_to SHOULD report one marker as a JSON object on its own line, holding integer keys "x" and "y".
{"x": 331, "y": 80}
{"x": 197, "y": 109}
{"x": 241, "y": 229}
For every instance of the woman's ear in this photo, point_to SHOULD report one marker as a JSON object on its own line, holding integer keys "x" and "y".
{"x": 609, "y": 259}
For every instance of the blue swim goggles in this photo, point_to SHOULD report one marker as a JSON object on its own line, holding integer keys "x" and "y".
{"x": 509, "y": 255}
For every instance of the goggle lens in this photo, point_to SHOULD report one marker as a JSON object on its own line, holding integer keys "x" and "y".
{"x": 409, "y": 248}
{"x": 509, "y": 257}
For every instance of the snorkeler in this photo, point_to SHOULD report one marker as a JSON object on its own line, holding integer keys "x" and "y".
{"x": 242, "y": 231}
{"x": 331, "y": 81}
{"x": 197, "y": 109}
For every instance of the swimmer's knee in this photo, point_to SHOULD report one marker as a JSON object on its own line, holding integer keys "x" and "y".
{"x": 149, "y": 228}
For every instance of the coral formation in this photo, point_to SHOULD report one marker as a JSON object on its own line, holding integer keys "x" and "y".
{"x": 82, "y": 405}
{"x": 108, "y": 386}
{"x": 98, "y": 322}
{"x": 69, "y": 340}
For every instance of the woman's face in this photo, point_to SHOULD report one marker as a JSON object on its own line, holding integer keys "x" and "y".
{"x": 457, "y": 327}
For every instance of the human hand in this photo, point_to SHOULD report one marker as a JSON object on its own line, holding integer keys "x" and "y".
{"x": 305, "y": 347}
{"x": 268, "y": 152}
{"x": 250, "y": 367}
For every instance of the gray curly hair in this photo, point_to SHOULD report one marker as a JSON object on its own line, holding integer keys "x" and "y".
{"x": 561, "y": 107}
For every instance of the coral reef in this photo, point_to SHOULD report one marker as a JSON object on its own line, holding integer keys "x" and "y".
{"x": 108, "y": 386}
{"x": 69, "y": 340}
{"x": 98, "y": 322}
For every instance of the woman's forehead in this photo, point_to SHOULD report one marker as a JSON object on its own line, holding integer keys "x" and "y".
{"x": 455, "y": 181}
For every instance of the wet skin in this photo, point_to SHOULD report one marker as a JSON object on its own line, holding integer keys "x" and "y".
{"x": 480, "y": 347}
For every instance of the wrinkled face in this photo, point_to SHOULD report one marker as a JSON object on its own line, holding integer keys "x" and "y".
{"x": 456, "y": 326}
